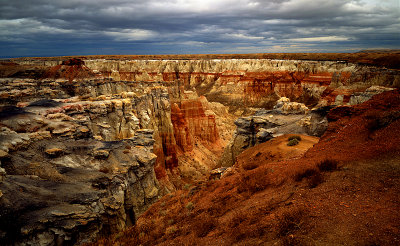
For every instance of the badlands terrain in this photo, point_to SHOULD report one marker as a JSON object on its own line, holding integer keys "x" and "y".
{"x": 195, "y": 150}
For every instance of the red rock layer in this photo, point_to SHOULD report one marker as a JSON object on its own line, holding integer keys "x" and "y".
{"x": 288, "y": 84}
{"x": 330, "y": 94}
{"x": 166, "y": 154}
{"x": 190, "y": 121}
{"x": 70, "y": 69}
{"x": 181, "y": 129}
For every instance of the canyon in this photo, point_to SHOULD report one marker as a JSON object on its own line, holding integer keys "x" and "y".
{"x": 88, "y": 144}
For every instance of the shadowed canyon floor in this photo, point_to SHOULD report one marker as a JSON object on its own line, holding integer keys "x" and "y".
{"x": 88, "y": 145}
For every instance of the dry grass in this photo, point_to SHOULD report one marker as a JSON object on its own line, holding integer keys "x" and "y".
{"x": 328, "y": 165}
{"x": 313, "y": 176}
{"x": 204, "y": 224}
{"x": 290, "y": 222}
{"x": 253, "y": 181}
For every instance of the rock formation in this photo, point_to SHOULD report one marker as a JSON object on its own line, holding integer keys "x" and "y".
{"x": 63, "y": 182}
{"x": 286, "y": 118}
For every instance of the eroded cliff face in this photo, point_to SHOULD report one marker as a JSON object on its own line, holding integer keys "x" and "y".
{"x": 62, "y": 184}
{"x": 112, "y": 136}
{"x": 254, "y": 82}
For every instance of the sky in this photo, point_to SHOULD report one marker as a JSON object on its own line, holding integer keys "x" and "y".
{"x": 93, "y": 27}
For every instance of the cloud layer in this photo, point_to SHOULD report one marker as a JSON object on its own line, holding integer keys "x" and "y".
{"x": 55, "y": 27}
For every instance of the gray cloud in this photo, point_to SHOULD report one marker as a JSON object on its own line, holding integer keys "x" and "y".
{"x": 52, "y": 27}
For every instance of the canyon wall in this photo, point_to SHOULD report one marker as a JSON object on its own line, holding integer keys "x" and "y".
{"x": 253, "y": 82}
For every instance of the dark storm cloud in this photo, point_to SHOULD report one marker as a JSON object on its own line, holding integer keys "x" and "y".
{"x": 49, "y": 27}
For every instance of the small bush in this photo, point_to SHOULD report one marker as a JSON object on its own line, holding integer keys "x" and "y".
{"x": 293, "y": 142}
{"x": 253, "y": 182}
{"x": 315, "y": 180}
{"x": 294, "y": 137}
{"x": 171, "y": 230}
{"x": 189, "y": 205}
{"x": 305, "y": 174}
{"x": 314, "y": 177}
{"x": 290, "y": 222}
{"x": 328, "y": 165}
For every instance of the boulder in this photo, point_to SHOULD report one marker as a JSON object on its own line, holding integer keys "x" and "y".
{"x": 54, "y": 152}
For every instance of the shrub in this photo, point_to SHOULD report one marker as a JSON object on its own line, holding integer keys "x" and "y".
{"x": 304, "y": 174}
{"x": 315, "y": 180}
{"x": 290, "y": 221}
{"x": 171, "y": 230}
{"x": 328, "y": 165}
{"x": 293, "y": 142}
{"x": 253, "y": 182}
{"x": 314, "y": 177}
{"x": 294, "y": 137}
{"x": 189, "y": 205}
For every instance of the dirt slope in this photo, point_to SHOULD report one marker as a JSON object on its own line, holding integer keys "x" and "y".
{"x": 343, "y": 191}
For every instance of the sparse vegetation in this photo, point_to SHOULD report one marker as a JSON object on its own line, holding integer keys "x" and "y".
{"x": 293, "y": 142}
{"x": 313, "y": 176}
{"x": 203, "y": 225}
{"x": 290, "y": 222}
{"x": 378, "y": 121}
{"x": 315, "y": 180}
{"x": 189, "y": 205}
{"x": 328, "y": 165}
{"x": 171, "y": 230}
{"x": 237, "y": 218}
{"x": 253, "y": 182}
{"x": 305, "y": 174}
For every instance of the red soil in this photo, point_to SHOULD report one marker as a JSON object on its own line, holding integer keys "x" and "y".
{"x": 343, "y": 191}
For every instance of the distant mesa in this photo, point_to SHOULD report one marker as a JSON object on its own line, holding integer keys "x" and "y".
{"x": 73, "y": 62}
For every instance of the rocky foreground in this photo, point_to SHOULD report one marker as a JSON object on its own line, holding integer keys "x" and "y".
{"x": 88, "y": 144}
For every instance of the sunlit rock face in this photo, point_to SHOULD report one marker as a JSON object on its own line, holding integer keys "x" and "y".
{"x": 90, "y": 144}
{"x": 253, "y": 82}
